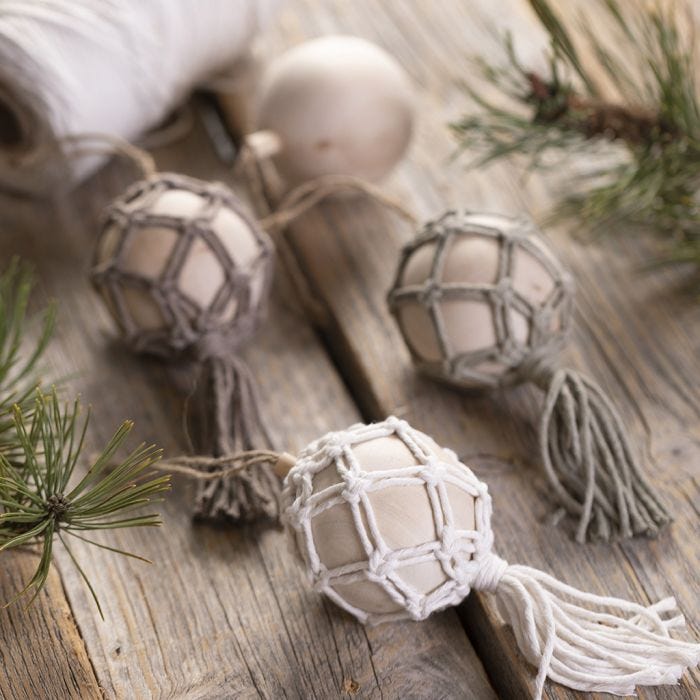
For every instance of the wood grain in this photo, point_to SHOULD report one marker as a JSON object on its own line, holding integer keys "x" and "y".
{"x": 636, "y": 333}
{"x": 228, "y": 613}
{"x": 221, "y": 612}
{"x": 42, "y": 654}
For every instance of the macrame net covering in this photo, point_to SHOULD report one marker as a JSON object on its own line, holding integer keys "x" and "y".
{"x": 504, "y": 361}
{"x": 461, "y": 553}
{"x": 158, "y": 303}
{"x": 500, "y": 314}
{"x": 584, "y": 641}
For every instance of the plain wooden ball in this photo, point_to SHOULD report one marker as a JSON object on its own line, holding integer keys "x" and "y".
{"x": 148, "y": 247}
{"x": 404, "y": 517}
{"x": 340, "y": 105}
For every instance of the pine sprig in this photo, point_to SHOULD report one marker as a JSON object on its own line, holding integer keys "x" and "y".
{"x": 41, "y": 442}
{"x": 38, "y": 502}
{"x": 19, "y": 368}
{"x": 654, "y": 116}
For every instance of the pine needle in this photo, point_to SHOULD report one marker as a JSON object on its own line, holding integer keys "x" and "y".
{"x": 37, "y": 500}
{"x": 19, "y": 366}
{"x": 656, "y": 120}
{"x": 41, "y": 442}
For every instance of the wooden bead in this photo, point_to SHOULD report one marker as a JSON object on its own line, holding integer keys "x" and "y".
{"x": 148, "y": 248}
{"x": 340, "y": 105}
{"x": 404, "y": 518}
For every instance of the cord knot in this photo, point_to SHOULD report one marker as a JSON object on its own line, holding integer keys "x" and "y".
{"x": 503, "y": 292}
{"x": 380, "y": 565}
{"x": 355, "y": 486}
{"x": 490, "y": 572}
{"x": 430, "y": 294}
{"x": 539, "y": 369}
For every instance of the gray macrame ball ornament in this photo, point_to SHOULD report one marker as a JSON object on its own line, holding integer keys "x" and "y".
{"x": 185, "y": 272}
{"x": 391, "y": 525}
{"x": 482, "y": 302}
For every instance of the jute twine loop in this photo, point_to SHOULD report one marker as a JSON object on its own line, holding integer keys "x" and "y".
{"x": 206, "y": 338}
{"x": 99, "y": 143}
{"x": 275, "y": 218}
{"x": 309, "y": 194}
{"x": 583, "y": 641}
{"x": 584, "y": 447}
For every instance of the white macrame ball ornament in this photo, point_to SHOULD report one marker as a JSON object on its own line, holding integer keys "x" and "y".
{"x": 339, "y": 105}
{"x": 480, "y": 297}
{"x": 391, "y": 526}
{"x": 179, "y": 259}
{"x": 348, "y": 498}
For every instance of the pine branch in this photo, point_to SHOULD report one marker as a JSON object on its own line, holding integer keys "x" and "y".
{"x": 38, "y": 502}
{"x": 656, "y": 120}
{"x": 19, "y": 366}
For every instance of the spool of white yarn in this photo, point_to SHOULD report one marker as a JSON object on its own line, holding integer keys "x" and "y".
{"x": 114, "y": 66}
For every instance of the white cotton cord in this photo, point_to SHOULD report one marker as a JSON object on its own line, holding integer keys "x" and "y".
{"x": 575, "y": 639}
{"x": 583, "y": 641}
{"x": 115, "y": 66}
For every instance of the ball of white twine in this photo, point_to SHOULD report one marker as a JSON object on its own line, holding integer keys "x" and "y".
{"x": 116, "y": 66}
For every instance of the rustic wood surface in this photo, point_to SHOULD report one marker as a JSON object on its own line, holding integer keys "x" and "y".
{"x": 222, "y": 612}
{"x": 227, "y": 613}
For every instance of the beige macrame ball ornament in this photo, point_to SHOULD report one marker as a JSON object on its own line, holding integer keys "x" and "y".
{"x": 391, "y": 526}
{"x": 339, "y": 105}
{"x": 354, "y": 490}
{"x": 480, "y": 296}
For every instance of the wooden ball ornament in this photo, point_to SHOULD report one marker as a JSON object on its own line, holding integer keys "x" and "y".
{"x": 482, "y": 302}
{"x": 185, "y": 272}
{"x": 338, "y": 105}
{"x": 179, "y": 262}
{"x": 480, "y": 296}
{"x": 391, "y": 526}
{"x": 348, "y": 497}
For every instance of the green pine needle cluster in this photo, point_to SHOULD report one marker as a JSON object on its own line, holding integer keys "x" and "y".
{"x": 18, "y": 370}
{"x": 41, "y": 445}
{"x": 649, "y": 65}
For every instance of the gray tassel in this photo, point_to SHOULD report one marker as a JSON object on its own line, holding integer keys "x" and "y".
{"x": 590, "y": 464}
{"x": 233, "y": 425}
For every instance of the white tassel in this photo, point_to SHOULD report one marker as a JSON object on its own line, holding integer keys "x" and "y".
{"x": 575, "y": 640}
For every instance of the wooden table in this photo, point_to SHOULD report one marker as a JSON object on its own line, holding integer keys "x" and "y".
{"x": 227, "y": 613}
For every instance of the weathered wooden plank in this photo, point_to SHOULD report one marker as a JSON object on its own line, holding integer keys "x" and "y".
{"x": 221, "y": 612}
{"x": 41, "y": 651}
{"x": 635, "y": 333}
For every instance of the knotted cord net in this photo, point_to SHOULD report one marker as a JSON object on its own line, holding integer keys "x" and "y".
{"x": 503, "y": 362}
{"x": 461, "y": 552}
